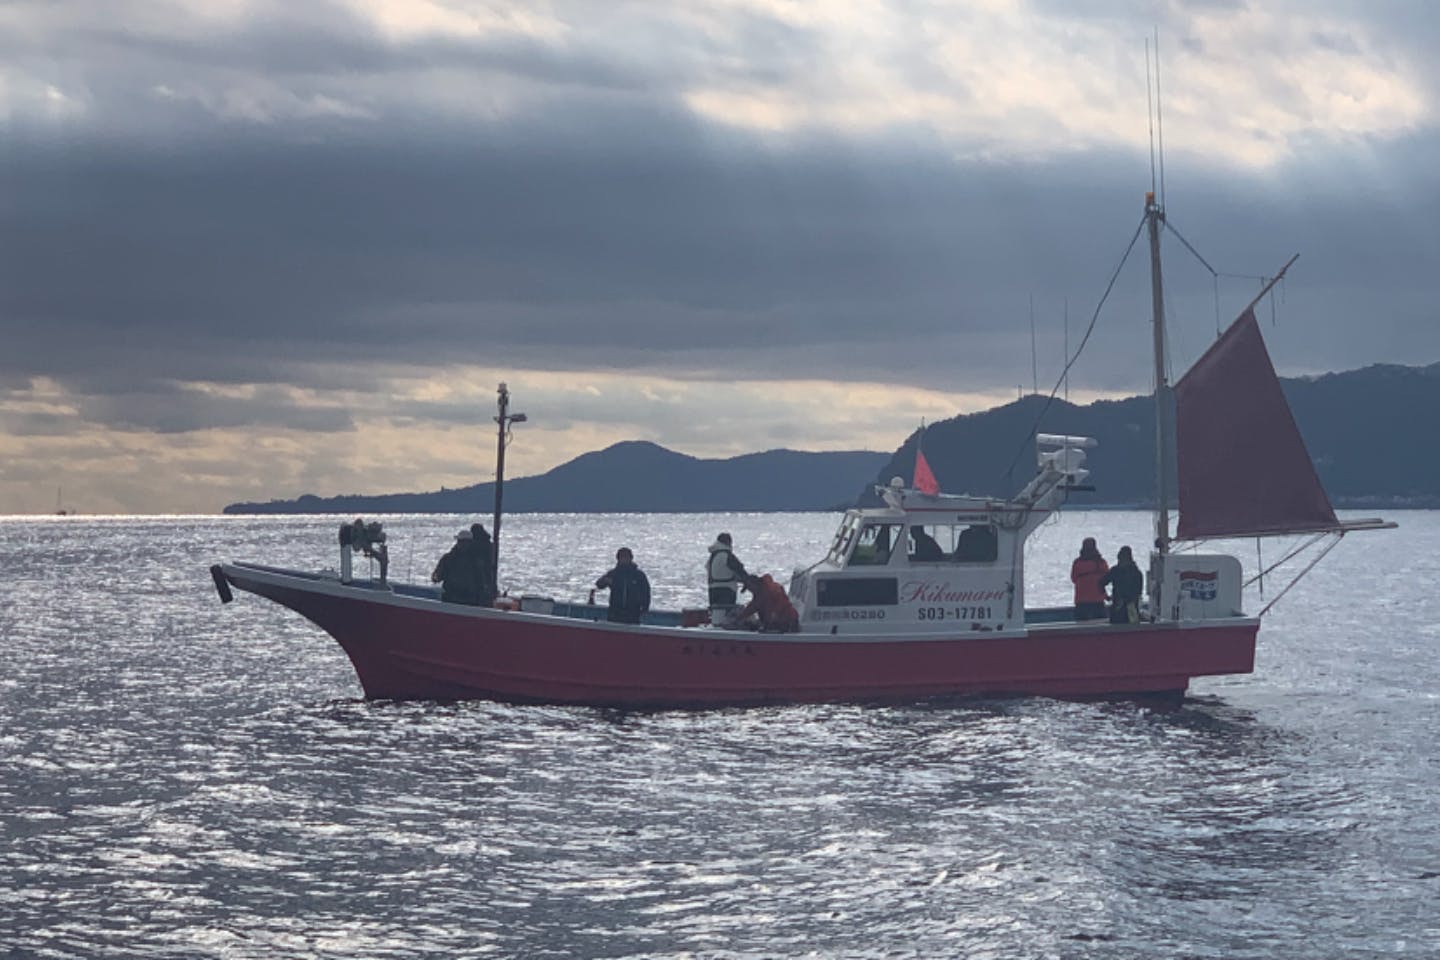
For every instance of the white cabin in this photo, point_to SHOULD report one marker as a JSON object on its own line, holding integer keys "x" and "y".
{"x": 936, "y": 562}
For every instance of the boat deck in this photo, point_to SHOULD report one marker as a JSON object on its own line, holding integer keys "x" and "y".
{"x": 1034, "y": 616}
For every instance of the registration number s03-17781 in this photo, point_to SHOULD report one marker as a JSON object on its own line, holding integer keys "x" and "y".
{"x": 953, "y": 613}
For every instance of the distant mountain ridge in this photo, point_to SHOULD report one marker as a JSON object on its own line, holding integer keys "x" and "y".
{"x": 1354, "y": 425}
{"x": 1363, "y": 429}
{"x": 632, "y": 477}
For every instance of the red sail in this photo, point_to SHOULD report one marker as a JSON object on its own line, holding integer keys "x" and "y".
{"x": 1243, "y": 469}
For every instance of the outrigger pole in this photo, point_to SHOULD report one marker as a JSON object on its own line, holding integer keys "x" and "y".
{"x": 505, "y": 419}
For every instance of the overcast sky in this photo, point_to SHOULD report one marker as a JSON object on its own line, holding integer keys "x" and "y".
{"x": 254, "y": 249}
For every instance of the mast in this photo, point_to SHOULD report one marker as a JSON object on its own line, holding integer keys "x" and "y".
{"x": 504, "y": 420}
{"x": 1154, "y": 216}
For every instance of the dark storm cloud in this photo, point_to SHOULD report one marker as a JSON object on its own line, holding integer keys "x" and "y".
{"x": 173, "y": 409}
{"x": 185, "y": 265}
{"x": 606, "y": 226}
{"x": 235, "y": 263}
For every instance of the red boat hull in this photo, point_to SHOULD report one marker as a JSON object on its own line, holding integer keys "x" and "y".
{"x": 407, "y": 648}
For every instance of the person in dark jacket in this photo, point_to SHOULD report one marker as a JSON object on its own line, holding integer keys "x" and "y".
{"x": 927, "y": 548}
{"x": 457, "y": 574}
{"x": 629, "y": 588}
{"x": 483, "y": 552}
{"x": 1085, "y": 573}
{"x": 1126, "y": 584}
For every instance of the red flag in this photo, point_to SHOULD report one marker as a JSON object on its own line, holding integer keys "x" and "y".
{"x": 925, "y": 480}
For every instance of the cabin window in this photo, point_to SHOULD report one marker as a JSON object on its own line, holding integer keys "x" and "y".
{"x": 843, "y": 536}
{"x": 857, "y": 592}
{"x": 978, "y": 543}
{"x": 873, "y": 547}
{"x": 929, "y": 544}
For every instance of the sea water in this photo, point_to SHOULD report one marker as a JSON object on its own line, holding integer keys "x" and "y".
{"x": 181, "y": 779}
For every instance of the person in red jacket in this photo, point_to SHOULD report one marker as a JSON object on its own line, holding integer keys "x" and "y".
{"x": 1085, "y": 573}
{"x": 770, "y": 604}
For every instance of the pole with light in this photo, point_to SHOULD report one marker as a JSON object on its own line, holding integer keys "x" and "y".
{"x": 505, "y": 419}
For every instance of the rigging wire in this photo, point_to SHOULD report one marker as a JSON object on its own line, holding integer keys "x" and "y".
{"x": 1070, "y": 362}
{"x": 1310, "y": 566}
{"x": 1196, "y": 253}
{"x": 1214, "y": 274}
{"x": 1289, "y": 555}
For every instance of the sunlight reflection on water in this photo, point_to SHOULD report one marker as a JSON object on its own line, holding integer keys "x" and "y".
{"x": 185, "y": 780}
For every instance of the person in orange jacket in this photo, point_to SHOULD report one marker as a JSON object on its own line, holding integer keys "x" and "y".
{"x": 1085, "y": 573}
{"x": 770, "y": 604}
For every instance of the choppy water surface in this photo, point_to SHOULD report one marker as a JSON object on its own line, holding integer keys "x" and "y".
{"x": 179, "y": 779}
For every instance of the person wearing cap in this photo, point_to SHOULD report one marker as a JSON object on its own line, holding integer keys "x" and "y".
{"x": 1085, "y": 573}
{"x": 629, "y": 588}
{"x": 724, "y": 573}
{"x": 1126, "y": 584}
{"x": 457, "y": 572}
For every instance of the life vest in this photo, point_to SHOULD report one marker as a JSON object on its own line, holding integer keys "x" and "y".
{"x": 718, "y": 567}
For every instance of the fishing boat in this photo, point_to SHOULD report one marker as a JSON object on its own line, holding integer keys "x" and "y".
{"x": 920, "y": 597}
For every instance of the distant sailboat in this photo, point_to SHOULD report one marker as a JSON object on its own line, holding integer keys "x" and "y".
{"x": 60, "y": 511}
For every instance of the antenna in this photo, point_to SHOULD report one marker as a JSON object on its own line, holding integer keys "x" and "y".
{"x": 1159, "y": 117}
{"x": 1150, "y": 112}
{"x": 1034, "y": 368}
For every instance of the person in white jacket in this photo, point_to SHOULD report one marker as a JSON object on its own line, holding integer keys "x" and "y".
{"x": 724, "y": 573}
